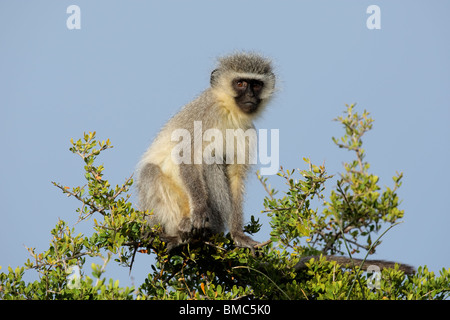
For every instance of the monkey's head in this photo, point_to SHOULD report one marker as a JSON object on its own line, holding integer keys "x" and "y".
{"x": 245, "y": 80}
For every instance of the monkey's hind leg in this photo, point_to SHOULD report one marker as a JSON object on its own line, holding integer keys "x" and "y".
{"x": 158, "y": 192}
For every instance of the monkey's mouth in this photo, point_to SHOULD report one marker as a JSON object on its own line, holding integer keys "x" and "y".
{"x": 249, "y": 106}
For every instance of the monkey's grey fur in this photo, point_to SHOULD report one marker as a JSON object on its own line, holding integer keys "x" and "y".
{"x": 190, "y": 199}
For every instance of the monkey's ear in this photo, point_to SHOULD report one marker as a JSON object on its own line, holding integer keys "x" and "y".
{"x": 214, "y": 75}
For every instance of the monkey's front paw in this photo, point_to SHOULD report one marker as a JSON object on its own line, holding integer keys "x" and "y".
{"x": 185, "y": 228}
{"x": 201, "y": 223}
{"x": 200, "y": 218}
{"x": 185, "y": 225}
{"x": 197, "y": 227}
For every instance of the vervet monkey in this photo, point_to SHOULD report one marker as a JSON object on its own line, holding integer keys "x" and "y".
{"x": 203, "y": 193}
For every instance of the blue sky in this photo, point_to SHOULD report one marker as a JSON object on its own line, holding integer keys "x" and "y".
{"x": 133, "y": 64}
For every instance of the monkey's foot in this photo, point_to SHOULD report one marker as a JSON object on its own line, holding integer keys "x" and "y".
{"x": 244, "y": 241}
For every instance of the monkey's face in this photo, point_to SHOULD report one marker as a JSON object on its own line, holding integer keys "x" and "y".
{"x": 248, "y": 93}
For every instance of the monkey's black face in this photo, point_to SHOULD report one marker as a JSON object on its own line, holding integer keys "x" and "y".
{"x": 248, "y": 93}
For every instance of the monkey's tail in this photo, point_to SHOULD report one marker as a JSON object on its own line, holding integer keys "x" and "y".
{"x": 350, "y": 262}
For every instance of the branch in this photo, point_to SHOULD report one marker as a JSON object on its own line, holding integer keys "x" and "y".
{"x": 39, "y": 263}
{"x": 122, "y": 188}
{"x": 78, "y": 197}
{"x": 347, "y": 262}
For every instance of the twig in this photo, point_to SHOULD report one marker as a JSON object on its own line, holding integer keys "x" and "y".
{"x": 264, "y": 185}
{"x": 248, "y": 268}
{"x": 78, "y": 197}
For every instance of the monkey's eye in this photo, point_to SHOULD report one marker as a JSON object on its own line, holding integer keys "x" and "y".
{"x": 257, "y": 86}
{"x": 241, "y": 84}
